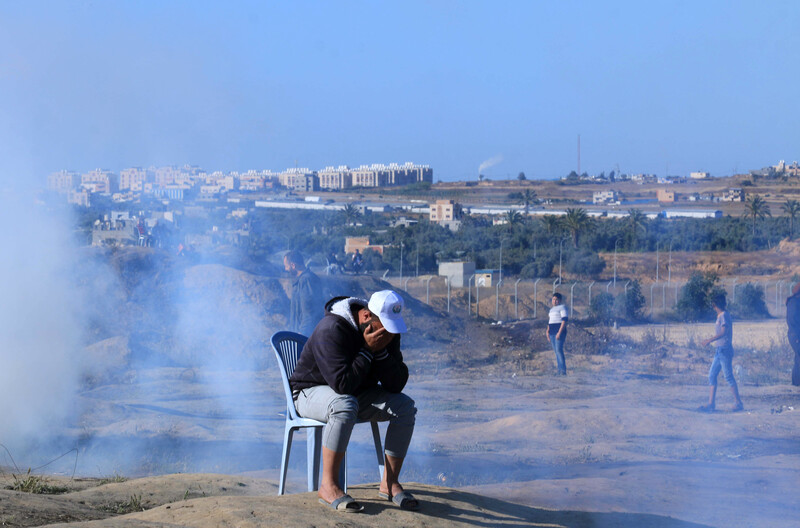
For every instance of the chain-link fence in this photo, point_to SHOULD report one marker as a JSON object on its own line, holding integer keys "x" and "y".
{"x": 514, "y": 299}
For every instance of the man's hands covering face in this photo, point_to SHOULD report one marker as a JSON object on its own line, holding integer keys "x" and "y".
{"x": 378, "y": 339}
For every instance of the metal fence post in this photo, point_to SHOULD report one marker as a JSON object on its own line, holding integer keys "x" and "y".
{"x": 572, "y": 298}
{"x": 497, "y": 300}
{"x": 535, "y": 304}
{"x": 516, "y": 300}
{"x": 469, "y": 294}
{"x": 447, "y": 281}
{"x": 651, "y": 297}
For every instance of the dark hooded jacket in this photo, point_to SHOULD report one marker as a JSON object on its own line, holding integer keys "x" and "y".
{"x": 336, "y": 355}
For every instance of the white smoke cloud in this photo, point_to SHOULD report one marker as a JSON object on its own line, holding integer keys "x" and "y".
{"x": 39, "y": 330}
{"x": 494, "y": 160}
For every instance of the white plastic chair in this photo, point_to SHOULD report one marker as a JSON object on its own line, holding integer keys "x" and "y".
{"x": 287, "y": 347}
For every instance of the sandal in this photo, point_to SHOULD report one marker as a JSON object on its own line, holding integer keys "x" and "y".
{"x": 345, "y": 504}
{"x": 405, "y": 500}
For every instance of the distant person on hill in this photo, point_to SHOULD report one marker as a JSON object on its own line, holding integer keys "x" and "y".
{"x": 793, "y": 321}
{"x": 723, "y": 357}
{"x": 358, "y": 262}
{"x": 557, "y": 331}
{"x": 333, "y": 264}
{"x": 351, "y": 369}
{"x": 305, "y": 309}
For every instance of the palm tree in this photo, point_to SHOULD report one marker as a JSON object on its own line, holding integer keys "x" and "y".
{"x": 757, "y": 208}
{"x": 527, "y": 198}
{"x": 577, "y": 221}
{"x": 551, "y": 223}
{"x": 637, "y": 221}
{"x": 350, "y": 214}
{"x": 513, "y": 218}
{"x": 792, "y": 209}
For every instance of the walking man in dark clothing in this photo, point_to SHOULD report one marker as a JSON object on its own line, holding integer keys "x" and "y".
{"x": 305, "y": 309}
{"x": 793, "y": 321}
{"x": 351, "y": 369}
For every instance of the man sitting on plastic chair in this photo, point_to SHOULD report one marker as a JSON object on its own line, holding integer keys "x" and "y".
{"x": 351, "y": 369}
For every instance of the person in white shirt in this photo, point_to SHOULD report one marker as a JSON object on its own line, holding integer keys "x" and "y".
{"x": 557, "y": 331}
{"x": 723, "y": 356}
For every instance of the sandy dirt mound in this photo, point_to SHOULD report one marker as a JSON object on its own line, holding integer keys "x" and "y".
{"x": 441, "y": 507}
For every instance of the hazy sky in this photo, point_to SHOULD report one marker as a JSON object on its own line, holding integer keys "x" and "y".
{"x": 649, "y": 86}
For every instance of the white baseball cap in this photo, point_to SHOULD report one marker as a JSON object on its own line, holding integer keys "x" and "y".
{"x": 388, "y": 306}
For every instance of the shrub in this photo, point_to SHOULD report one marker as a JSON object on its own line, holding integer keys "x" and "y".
{"x": 585, "y": 263}
{"x": 694, "y": 302}
{"x": 539, "y": 268}
{"x": 629, "y": 305}
{"x": 750, "y": 303}
{"x": 601, "y": 308}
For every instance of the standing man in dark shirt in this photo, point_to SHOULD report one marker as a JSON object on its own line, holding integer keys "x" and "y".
{"x": 305, "y": 310}
{"x": 351, "y": 369}
{"x": 793, "y": 321}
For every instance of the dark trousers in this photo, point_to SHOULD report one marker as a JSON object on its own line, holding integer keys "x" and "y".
{"x": 795, "y": 342}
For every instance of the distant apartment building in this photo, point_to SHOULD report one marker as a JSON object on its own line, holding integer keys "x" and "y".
{"x": 135, "y": 178}
{"x": 407, "y": 174}
{"x": 63, "y": 181}
{"x": 699, "y": 175}
{"x": 733, "y": 195}
{"x": 79, "y": 197}
{"x": 100, "y": 181}
{"x": 605, "y": 197}
{"x": 792, "y": 169}
{"x": 169, "y": 192}
{"x": 365, "y": 176}
{"x": 299, "y": 179}
{"x": 335, "y": 178}
{"x": 665, "y": 196}
{"x": 255, "y": 180}
{"x": 167, "y": 176}
{"x": 376, "y": 175}
{"x": 644, "y": 178}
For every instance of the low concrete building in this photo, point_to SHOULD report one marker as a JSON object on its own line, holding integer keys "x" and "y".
{"x": 665, "y": 196}
{"x": 445, "y": 211}
{"x": 733, "y": 195}
{"x": 457, "y": 273}
{"x": 351, "y": 244}
{"x": 604, "y": 197}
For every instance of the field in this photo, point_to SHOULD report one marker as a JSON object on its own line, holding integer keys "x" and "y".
{"x": 500, "y": 440}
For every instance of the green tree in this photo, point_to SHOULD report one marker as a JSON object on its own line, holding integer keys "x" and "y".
{"x": 636, "y": 222}
{"x": 576, "y": 221}
{"x": 756, "y": 208}
{"x": 630, "y": 304}
{"x": 792, "y": 209}
{"x": 551, "y": 224}
{"x": 527, "y": 198}
{"x": 750, "y": 302}
{"x": 694, "y": 302}
{"x": 601, "y": 308}
{"x": 521, "y": 176}
{"x": 350, "y": 214}
{"x": 585, "y": 263}
{"x": 513, "y": 218}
